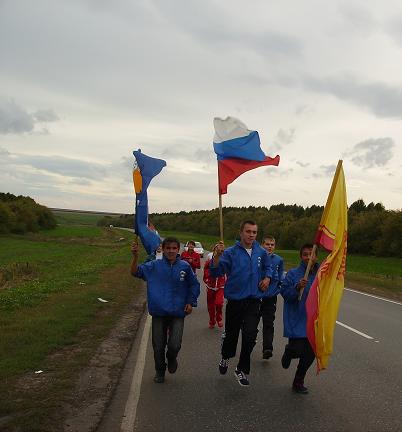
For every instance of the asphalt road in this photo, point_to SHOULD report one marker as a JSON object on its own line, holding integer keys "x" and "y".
{"x": 360, "y": 391}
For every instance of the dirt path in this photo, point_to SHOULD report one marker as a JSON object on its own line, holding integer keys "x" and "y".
{"x": 97, "y": 382}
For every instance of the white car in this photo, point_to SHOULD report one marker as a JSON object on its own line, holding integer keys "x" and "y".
{"x": 198, "y": 248}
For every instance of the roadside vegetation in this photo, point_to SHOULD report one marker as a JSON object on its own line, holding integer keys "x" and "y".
{"x": 377, "y": 275}
{"x": 20, "y": 214}
{"x": 373, "y": 230}
{"x": 51, "y": 318}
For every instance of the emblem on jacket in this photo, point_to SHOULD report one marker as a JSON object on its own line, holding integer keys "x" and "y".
{"x": 182, "y": 275}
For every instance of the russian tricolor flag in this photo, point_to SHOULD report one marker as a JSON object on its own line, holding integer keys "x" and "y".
{"x": 238, "y": 150}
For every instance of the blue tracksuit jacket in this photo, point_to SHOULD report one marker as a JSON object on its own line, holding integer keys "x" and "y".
{"x": 276, "y": 263}
{"x": 243, "y": 272}
{"x": 169, "y": 286}
{"x": 294, "y": 311}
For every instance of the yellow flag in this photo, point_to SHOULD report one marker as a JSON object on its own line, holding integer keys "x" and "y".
{"x": 326, "y": 291}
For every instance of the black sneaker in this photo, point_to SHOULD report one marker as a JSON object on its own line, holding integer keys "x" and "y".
{"x": 241, "y": 378}
{"x": 223, "y": 366}
{"x": 286, "y": 359}
{"x": 298, "y": 385}
{"x": 172, "y": 365}
{"x": 299, "y": 388}
{"x": 267, "y": 354}
{"x": 159, "y": 378}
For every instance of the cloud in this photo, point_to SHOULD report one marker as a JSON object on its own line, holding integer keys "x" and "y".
{"x": 303, "y": 109}
{"x": 381, "y": 99}
{"x": 325, "y": 171}
{"x": 45, "y": 116}
{"x": 303, "y": 165}
{"x": 4, "y": 152}
{"x": 283, "y": 138}
{"x": 204, "y": 155}
{"x": 64, "y": 166}
{"x": 16, "y": 120}
{"x": 277, "y": 172}
{"x": 59, "y": 165}
{"x": 372, "y": 152}
{"x": 394, "y": 29}
{"x": 81, "y": 182}
{"x": 215, "y": 26}
{"x": 358, "y": 18}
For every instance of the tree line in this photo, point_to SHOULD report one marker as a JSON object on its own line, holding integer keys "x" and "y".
{"x": 21, "y": 214}
{"x": 372, "y": 230}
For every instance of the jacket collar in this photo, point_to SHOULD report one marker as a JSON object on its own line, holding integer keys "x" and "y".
{"x": 253, "y": 246}
{"x": 168, "y": 262}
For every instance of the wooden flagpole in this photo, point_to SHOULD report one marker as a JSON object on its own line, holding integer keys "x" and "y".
{"x": 314, "y": 251}
{"x": 308, "y": 268}
{"x": 220, "y": 218}
{"x": 220, "y": 209}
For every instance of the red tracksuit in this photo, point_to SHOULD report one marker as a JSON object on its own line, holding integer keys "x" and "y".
{"x": 214, "y": 295}
{"x": 192, "y": 258}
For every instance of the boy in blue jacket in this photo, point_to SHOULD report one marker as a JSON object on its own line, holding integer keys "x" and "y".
{"x": 172, "y": 288}
{"x": 295, "y": 317}
{"x": 269, "y": 297}
{"x": 248, "y": 272}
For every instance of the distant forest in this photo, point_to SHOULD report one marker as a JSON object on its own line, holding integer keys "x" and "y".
{"x": 20, "y": 214}
{"x": 373, "y": 230}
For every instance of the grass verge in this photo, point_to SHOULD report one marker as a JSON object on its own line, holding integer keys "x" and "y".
{"x": 51, "y": 318}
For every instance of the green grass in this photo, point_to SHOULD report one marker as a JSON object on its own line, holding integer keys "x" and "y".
{"x": 73, "y": 231}
{"x": 49, "y": 285}
{"x": 77, "y": 218}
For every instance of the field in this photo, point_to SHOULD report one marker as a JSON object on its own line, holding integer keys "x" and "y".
{"x": 50, "y": 283}
{"x": 382, "y": 276}
{"x": 77, "y": 218}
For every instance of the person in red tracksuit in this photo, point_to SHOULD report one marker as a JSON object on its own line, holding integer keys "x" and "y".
{"x": 192, "y": 257}
{"x": 214, "y": 295}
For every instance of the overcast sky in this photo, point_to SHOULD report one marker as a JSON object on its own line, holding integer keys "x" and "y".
{"x": 83, "y": 83}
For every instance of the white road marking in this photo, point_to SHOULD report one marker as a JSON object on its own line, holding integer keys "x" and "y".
{"x": 354, "y": 330}
{"x": 130, "y": 411}
{"x": 374, "y": 296}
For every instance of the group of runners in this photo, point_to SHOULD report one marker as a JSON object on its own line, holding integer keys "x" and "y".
{"x": 249, "y": 276}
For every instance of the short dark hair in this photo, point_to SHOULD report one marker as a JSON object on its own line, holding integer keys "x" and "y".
{"x": 250, "y": 222}
{"x": 305, "y": 246}
{"x": 170, "y": 240}
{"x": 191, "y": 242}
{"x": 268, "y": 237}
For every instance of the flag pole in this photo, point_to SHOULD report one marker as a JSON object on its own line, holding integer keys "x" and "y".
{"x": 313, "y": 252}
{"x": 220, "y": 218}
{"x": 220, "y": 208}
{"x": 310, "y": 263}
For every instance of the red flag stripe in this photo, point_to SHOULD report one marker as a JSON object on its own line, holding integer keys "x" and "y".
{"x": 230, "y": 169}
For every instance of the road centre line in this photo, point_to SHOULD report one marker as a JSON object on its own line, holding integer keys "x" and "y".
{"x": 130, "y": 410}
{"x": 354, "y": 330}
{"x": 374, "y": 296}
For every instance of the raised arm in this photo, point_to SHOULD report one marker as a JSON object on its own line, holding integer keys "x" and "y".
{"x": 134, "y": 262}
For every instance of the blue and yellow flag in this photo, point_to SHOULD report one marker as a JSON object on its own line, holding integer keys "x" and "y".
{"x": 145, "y": 169}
